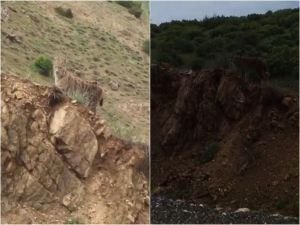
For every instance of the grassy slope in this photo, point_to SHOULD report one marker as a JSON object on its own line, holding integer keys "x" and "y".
{"x": 102, "y": 42}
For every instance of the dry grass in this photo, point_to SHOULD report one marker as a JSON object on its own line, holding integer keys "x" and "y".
{"x": 94, "y": 44}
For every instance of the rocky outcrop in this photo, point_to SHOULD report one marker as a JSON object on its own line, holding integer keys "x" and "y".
{"x": 32, "y": 170}
{"x": 75, "y": 141}
{"x": 50, "y": 147}
{"x": 213, "y": 136}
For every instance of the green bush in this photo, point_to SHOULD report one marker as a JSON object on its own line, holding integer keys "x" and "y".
{"x": 43, "y": 65}
{"x": 209, "y": 152}
{"x": 64, "y": 12}
{"x": 146, "y": 46}
{"x": 273, "y": 37}
{"x": 134, "y": 8}
{"x": 137, "y": 12}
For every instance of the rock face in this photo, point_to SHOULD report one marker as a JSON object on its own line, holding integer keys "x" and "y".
{"x": 32, "y": 169}
{"x": 74, "y": 139}
{"x": 51, "y": 147}
{"x": 213, "y": 136}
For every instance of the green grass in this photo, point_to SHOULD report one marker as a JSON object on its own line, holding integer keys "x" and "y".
{"x": 72, "y": 221}
{"x": 79, "y": 97}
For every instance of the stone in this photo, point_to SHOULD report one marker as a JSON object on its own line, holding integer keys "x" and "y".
{"x": 76, "y": 139}
{"x": 287, "y": 101}
{"x": 242, "y": 210}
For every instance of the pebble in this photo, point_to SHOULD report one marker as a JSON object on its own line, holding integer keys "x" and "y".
{"x": 168, "y": 211}
{"x": 242, "y": 210}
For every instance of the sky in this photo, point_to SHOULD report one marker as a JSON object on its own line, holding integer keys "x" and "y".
{"x": 165, "y": 11}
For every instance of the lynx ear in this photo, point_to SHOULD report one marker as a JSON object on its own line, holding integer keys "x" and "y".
{"x": 59, "y": 60}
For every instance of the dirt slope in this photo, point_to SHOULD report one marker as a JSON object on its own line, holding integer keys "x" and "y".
{"x": 217, "y": 139}
{"x": 101, "y": 42}
{"x": 60, "y": 163}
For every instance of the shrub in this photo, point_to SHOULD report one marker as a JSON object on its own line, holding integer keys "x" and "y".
{"x": 134, "y": 8}
{"x": 146, "y": 46}
{"x": 64, "y": 12}
{"x": 209, "y": 152}
{"x": 43, "y": 65}
{"x": 136, "y": 11}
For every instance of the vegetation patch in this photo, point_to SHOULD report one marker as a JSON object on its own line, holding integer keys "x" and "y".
{"x": 43, "y": 65}
{"x": 146, "y": 46}
{"x": 133, "y": 7}
{"x": 79, "y": 97}
{"x": 209, "y": 152}
{"x": 214, "y": 42}
{"x": 64, "y": 12}
{"x": 73, "y": 221}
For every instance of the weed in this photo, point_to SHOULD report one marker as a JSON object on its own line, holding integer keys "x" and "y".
{"x": 146, "y": 46}
{"x": 96, "y": 59}
{"x": 72, "y": 221}
{"x": 79, "y": 96}
{"x": 64, "y": 12}
{"x": 122, "y": 131}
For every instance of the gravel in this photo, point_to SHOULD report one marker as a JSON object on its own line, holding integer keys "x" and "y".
{"x": 166, "y": 211}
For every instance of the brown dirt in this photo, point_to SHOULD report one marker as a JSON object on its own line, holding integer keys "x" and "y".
{"x": 116, "y": 190}
{"x": 253, "y": 129}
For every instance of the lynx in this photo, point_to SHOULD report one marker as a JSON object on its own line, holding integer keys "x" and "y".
{"x": 251, "y": 64}
{"x": 68, "y": 83}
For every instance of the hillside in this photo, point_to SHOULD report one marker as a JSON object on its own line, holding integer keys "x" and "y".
{"x": 219, "y": 140}
{"x": 61, "y": 164}
{"x": 102, "y": 42}
{"x": 213, "y": 42}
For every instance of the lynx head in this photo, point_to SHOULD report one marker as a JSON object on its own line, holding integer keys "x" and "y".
{"x": 58, "y": 65}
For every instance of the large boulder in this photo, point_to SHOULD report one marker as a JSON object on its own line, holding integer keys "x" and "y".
{"x": 50, "y": 171}
{"x": 32, "y": 170}
{"x": 74, "y": 139}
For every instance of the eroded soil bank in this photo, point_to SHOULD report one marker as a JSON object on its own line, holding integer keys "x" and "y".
{"x": 60, "y": 163}
{"x": 219, "y": 140}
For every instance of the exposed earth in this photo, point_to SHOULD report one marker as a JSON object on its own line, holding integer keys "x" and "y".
{"x": 60, "y": 163}
{"x": 219, "y": 140}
